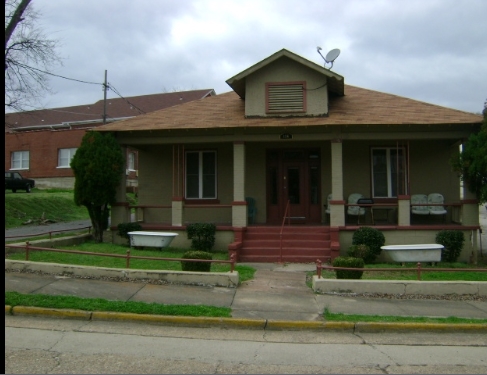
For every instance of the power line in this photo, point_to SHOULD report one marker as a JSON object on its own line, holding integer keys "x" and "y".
{"x": 120, "y": 95}
{"x": 59, "y": 76}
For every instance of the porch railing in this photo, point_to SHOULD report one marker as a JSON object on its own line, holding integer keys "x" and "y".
{"x": 287, "y": 214}
{"x": 140, "y": 209}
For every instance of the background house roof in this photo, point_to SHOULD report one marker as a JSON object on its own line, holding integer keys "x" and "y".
{"x": 116, "y": 108}
{"x": 358, "y": 107}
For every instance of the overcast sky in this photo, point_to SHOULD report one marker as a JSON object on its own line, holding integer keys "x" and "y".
{"x": 429, "y": 50}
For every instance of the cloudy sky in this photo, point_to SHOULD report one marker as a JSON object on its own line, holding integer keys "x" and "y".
{"x": 429, "y": 50}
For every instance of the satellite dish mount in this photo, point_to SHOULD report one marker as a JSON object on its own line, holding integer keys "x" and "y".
{"x": 330, "y": 56}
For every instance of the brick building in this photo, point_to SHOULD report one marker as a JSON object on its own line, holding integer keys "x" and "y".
{"x": 40, "y": 144}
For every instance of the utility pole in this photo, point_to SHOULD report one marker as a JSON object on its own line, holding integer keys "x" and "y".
{"x": 105, "y": 88}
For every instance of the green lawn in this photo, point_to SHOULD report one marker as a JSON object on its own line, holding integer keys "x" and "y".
{"x": 99, "y": 304}
{"x": 245, "y": 272}
{"x": 53, "y": 204}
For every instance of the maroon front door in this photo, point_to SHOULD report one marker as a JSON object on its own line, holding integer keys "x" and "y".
{"x": 293, "y": 175}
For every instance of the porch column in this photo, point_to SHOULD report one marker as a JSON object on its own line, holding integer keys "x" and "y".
{"x": 337, "y": 204}
{"x": 404, "y": 212}
{"x": 239, "y": 206}
{"x": 177, "y": 201}
{"x": 177, "y": 212}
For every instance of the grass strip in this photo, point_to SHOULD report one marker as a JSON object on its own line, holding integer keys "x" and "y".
{"x": 340, "y": 317}
{"x": 100, "y": 304}
{"x": 245, "y": 272}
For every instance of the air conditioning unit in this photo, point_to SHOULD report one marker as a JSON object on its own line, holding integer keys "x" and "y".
{"x": 127, "y": 171}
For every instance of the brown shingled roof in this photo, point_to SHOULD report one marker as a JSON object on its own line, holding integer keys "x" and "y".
{"x": 116, "y": 108}
{"x": 358, "y": 107}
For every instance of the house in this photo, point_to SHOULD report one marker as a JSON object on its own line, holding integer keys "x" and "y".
{"x": 299, "y": 142}
{"x": 40, "y": 144}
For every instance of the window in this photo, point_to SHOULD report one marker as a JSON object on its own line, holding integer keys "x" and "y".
{"x": 64, "y": 157}
{"x": 388, "y": 172}
{"x": 285, "y": 97}
{"x": 20, "y": 160}
{"x": 201, "y": 175}
{"x": 131, "y": 161}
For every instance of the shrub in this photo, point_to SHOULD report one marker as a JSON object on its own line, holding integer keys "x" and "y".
{"x": 358, "y": 251}
{"x": 371, "y": 237}
{"x": 202, "y": 235}
{"x": 125, "y": 228}
{"x": 349, "y": 262}
{"x": 453, "y": 241}
{"x": 196, "y": 266}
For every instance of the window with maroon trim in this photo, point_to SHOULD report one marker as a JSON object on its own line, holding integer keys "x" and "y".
{"x": 389, "y": 172}
{"x": 201, "y": 175}
{"x": 286, "y": 97}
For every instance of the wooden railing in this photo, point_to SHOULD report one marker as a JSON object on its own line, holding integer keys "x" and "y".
{"x": 287, "y": 214}
{"x": 418, "y": 269}
{"x": 27, "y": 247}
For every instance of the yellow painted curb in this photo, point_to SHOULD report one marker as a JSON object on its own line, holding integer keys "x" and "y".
{"x": 58, "y": 313}
{"x": 8, "y": 309}
{"x": 179, "y": 320}
{"x": 314, "y": 325}
{"x": 438, "y": 327}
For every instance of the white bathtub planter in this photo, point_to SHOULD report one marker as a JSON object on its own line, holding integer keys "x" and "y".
{"x": 414, "y": 253}
{"x": 151, "y": 239}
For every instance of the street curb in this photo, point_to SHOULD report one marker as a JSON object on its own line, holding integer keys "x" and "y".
{"x": 264, "y": 324}
{"x": 420, "y": 327}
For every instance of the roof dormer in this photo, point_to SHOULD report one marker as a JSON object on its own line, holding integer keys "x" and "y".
{"x": 285, "y": 84}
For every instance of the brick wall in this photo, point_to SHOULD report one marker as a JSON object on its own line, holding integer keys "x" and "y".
{"x": 43, "y": 149}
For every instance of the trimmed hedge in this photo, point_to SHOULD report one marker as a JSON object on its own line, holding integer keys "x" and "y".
{"x": 196, "y": 266}
{"x": 348, "y": 262}
{"x": 202, "y": 235}
{"x": 125, "y": 228}
{"x": 371, "y": 237}
{"x": 453, "y": 241}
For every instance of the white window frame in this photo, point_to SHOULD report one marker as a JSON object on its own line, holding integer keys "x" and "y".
{"x": 200, "y": 175}
{"x": 131, "y": 161}
{"x": 19, "y": 160}
{"x": 71, "y": 152}
{"x": 388, "y": 169}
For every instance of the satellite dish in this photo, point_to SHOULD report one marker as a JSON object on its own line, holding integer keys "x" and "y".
{"x": 330, "y": 56}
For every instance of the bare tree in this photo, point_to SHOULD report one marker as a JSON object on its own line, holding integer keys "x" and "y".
{"x": 28, "y": 56}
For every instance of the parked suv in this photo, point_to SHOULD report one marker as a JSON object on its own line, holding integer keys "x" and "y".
{"x": 14, "y": 181}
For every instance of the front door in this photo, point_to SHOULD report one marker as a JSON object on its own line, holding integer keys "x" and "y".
{"x": 293, "y": 176}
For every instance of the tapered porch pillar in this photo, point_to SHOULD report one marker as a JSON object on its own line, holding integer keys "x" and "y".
{"x": 337, "y": 204}
{"x": 177, "y": 201}
{"x": 239, "y": 206}
{"x": 404, "y": 211}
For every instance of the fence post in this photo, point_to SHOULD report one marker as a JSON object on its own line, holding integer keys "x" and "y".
{"x": 232, "y": 259}
{"x": 127, "y": 262}
{"x": 318, "y": 268}
{"x": 50, "y": 237}
{"x": 27, "y": 244}
{"x": 419, "y": 271}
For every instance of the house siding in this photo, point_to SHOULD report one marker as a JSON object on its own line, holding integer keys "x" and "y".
{"x": 286, "y": 70}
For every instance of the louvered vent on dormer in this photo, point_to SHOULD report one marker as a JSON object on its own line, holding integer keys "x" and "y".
{"x": 285, "y": 97}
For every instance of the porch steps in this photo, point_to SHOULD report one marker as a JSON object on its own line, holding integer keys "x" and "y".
{"x": 300, "y": 244}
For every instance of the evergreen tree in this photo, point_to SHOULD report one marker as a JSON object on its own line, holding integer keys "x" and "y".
{"x": 98, "y": 165}
{"x": 471, "y": 163}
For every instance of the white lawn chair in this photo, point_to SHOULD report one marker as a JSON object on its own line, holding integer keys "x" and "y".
{"x": 436, "y": 198}
{"x": 419, "y": 199}
{"x": 355, "y": 210}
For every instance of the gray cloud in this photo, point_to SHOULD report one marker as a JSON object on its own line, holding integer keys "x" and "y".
{"x": 432, "y": 51}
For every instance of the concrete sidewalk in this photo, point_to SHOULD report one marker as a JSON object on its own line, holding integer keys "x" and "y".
{"x": 277, "y": 293}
